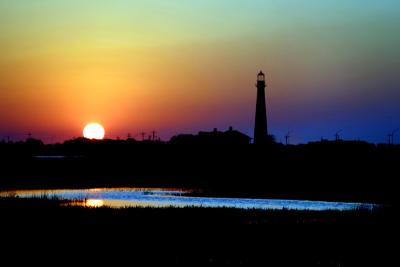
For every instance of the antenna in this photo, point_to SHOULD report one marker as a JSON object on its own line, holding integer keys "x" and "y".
{"x": 337, "y": 135}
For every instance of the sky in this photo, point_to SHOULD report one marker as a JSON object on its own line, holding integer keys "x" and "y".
{"x": 181, "y": 66}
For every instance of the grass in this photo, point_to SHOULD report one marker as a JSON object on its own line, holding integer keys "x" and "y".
{"x": 73, "y": 213}
{"x": 200, "y": 236}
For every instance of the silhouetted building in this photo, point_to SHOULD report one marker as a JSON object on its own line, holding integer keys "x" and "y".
{"x": 260, "y": 127}
{"x": 215, "y": 137}
{"x": 235, "y": 137}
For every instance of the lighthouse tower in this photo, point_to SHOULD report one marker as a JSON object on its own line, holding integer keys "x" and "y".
{"x": 260, "y": 128}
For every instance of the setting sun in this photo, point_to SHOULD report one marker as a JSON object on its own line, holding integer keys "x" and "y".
{"x": 94, "y": 131}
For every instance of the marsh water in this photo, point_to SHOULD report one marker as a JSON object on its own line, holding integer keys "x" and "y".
{"x": 163, "y": 197}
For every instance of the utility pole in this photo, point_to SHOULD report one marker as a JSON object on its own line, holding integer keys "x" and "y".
{"x": 389, "y": 139}
{"x": 393, "y": 133}
{"x": 287, "y": 137}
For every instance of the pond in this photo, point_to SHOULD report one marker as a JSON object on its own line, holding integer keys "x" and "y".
{"x": 164, "y": 197}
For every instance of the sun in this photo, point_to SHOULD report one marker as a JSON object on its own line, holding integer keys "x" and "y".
{"x": 94, "y": 131}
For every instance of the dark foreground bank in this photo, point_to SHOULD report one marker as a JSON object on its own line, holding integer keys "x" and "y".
{"x": 40, "y": 229}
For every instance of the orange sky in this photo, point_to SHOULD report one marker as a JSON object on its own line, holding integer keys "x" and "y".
{"x": 184, "y": 66}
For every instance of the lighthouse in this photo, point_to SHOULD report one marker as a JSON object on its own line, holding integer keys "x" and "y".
{"x": 260, "y": 127}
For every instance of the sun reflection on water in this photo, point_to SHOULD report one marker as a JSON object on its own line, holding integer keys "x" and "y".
{"x": 94, "y": 203}
{"x": 167, "y": 197}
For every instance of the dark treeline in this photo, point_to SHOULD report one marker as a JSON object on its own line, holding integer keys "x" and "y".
{"x": 221, "y": 164}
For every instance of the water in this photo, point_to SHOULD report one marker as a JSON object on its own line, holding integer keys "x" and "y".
{"x": 156, "y": 197}
{"x": 49, "y": 157}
